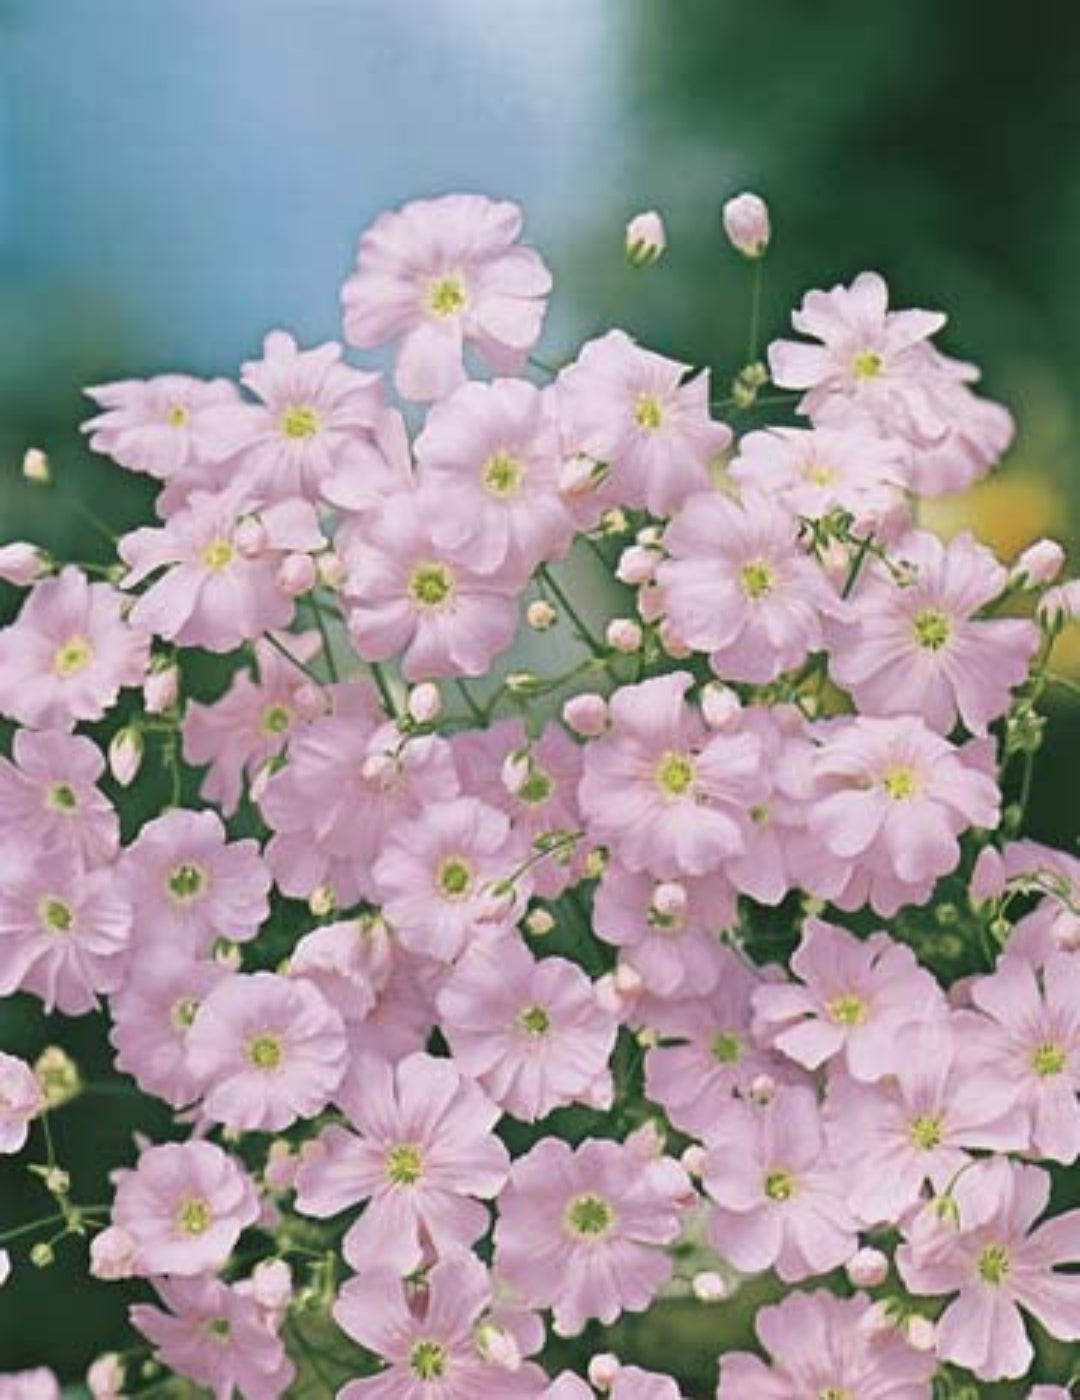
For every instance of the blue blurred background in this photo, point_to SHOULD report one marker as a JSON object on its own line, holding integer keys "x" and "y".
{"x": 179, "y": 176}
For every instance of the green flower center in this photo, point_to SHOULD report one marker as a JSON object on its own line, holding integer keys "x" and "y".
{"x": 727, "y": 1048}
{"x": 218, "y": 1329}
{"x": 503, "y": 475}
{"x": 217, "y": 555}
{"x": 446, "y": 296}
{"x": 276, "y": 719}
{"x": 675, "y": 774}
{"x": 56, "y": 914}
{"x": 925, "y": 1132}
{"x": 867, "y": 364}
{"x": 900, "y": 783}
{"x": 183, "y": 1013}
{"x": 427, "y": 1361}
{"x": 535, "y": 1021}
{"x": 757, "y": 579}
{"x": 265, "y": 1051}
{"x": 1049, "y": 1059}
{"x": 835, "y": 1392}
{"x": 186, "y": 882}
{"x": 649, "y": 412}
{"x": 779, "y": 1185}
{"x": 195, "y": 1216}
{"x": 300, "y": 420}
{"x": 993, "y": 1265}
{"x": 537, "y": 787}
{"x": 932, "y": 629}
{"x": 404, "y": 1166}
{"x": 61, "y": 798}
{"x": 589, "y": 1216}
{"x": 847, "y": 1010}
{"x": 431, "y": 585}
{"x": 73, "y": 657}
{"x": 178, "y": 416}
{"x": 455, "y": 878}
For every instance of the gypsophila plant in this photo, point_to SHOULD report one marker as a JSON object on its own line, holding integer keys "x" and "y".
{"x": 491, "y": 1005}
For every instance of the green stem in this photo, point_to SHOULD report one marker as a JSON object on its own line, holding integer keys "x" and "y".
{"x": 324, "y": 633}
{"x": 583, "y": 631}
{"x": 1065, "y": 682}
{"x": 284, "y": 651}
{"x": 755, "y": 309}
{"x": 385, "y": 693}
{"x": 477, "y": 711}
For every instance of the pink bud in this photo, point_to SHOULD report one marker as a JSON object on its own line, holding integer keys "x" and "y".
{"x": 249, "y": 537}
{"x": 271, "y": 1285}
{"x": 867, "y": 1268}
{"x": 105, "y": 1377}
{"x": 497, "y": 1346}
{"x": 515, "y": 770}
{"x": 21, "y": 563}
{"x": 693, "y": 1159}
{"x": 112, "y": 1254}
{"x": 670, "y": 899}
{"x": 637, "y": 565}
{"x": 646, "y": 238}
{"x": 650, "y": 602}
{"x": 586, "y": 714}
{"x": 676, "y": 649}
{"x": 876, "y": 1321}
{"x": 279, "y": 1173}
{"x": 297, "y": 574}
{"x": 424, "y": 702}
{"x": 628, "y": 981}
{"x": 161, "y": 689}
{"x": 646, "y": 1142}
{"x": 1061, "y": 604}
{"x": 1039, "y": 564}
{"x": 719, "y": 705}
{"x": 623, "y": 634}
{"x": 989, "y": 877}
{"x": 540, "y": 615}
{"x": 921, "y": 1333}
{"x": 709, "y": 1287}
{"x": 762, "y": 1088}
{"x": 125, "y": 755}
{"x": 579, "y": 475}
{"x": 603, "y": 1368}
{"x": 746, "y": 223}
{"x": 331, "y": 569}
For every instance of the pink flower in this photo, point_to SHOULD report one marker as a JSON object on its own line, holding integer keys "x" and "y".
{"x": 68, "y": 654}
{"x": 64, "y": 932}
{"x": 708, "y": 1053}
{"x": 439, "y": 874}
{"x": 856, "y": 995}
{"x": 666, "y": 795}
{"x": 21, "y": 1099}
{"x": 1026, "y": 1032}
{"x": 676, "y": 952}
{"x": 40, "y": 1383}
{"x": 637, "y": 413}
{"x": 892, "y": 799}
{"x": 922, "y": 648}
{"x": 157, "y": 425}
{"x": 531, "y": 1032}
{"x": 349, "y": 780}
{"x": 409, "y": 596}
{"x": 184, "y": 1206}
{"x": 49, "y": 797}
{"x": 430, "y": 1342}
{"x": 438, "y": 274}
{"x": 918, "y": 1124}
{"x": 253, "y": 720}
{"x": 268, "y": 1049}
{"x": 317, "y": 420}
{"x": 191, "y": 885}
{"x": 984, "y": 1249}
{"x": 350, "y": 962}
{"x": 423, "y": 1157}
{"x": 152, "y": 1015}
{"x": 490, "y": 456}
{"x": 739, "y": 585}
{"x": 821, "y": 1346}
{"x": 780, "y": 1201}
{"x": 217, "y": 1336}
{"x": 818, "y": 471}
{"x": 215, "y": 593}
{"x": 582, "y": 1230}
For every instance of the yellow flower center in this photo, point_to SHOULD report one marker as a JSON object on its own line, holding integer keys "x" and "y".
{"x": 818, "y": 474}
{"x": 455, "y": 878}
{"x": 932, "y": 629}
{"x": 649, "y": 413}
{"x": 183, "y": 1013}
{"x": 847, "y": 1010}
{"x": 431, "y": 585}
{"x": 195, "y": 1216}
{"x": 503, "y": 475}
{"x": 993, "y": 1265}
{"x": 57, "y": 916}
{"x": 589, "y": 1216}
{"x": 757, "y": 578}
{"x": 72, "y": 657}
{"x": 675, "y": 774}
{"x": 404, "y": 1165}
{"x": 300, "y": 421}
{"x": 727, "y": 1048}
{"x": 779, "y": 1185}
{"x": 446, "y": 296}
{"x": 1049, "y": 1059}
{"x": 535, "y": 1021}
{"x": 427, "y": 1361}
{"x": 186, "y": 882}
{"x": 217, "y": 555}
{"x": 900, "y": 783}
{"x": 178, "y": 416}
{"x": 265, "y": 1051}
{"x": 925, "y": 1132}
{"x": 867, "y": 364}
{"x": 61, "y": 798}
{"x": 275, "y": 719}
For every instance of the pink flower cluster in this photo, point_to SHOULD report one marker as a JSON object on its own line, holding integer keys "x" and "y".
{"x": 491, "y": 1004}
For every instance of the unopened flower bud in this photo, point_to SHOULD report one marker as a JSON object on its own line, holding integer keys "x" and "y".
{"x": 877, "y": 1320}
{"x": 424, "y": 702}
{"x": 279, "y": 1173}
{"x": 719, "y": 705}
{"x": 42, "y": 1255}
{"x": 647, "y": 1143}
{"x": 540, "y": 615}
{"x": 515, "y": 770}
{"x": 522, "y": 682}
{"x": 921, "y": 1333}
{"x": 586, "y": 714}
{"x": 637, "y": 565}
{"x": 746, "y": 223}
{"x": 1060, "y": 605}
{"x": 21, "y": 563}
{"x": 676, "y": 649}
{"x": 498, "y": 1347}
{"x": 539, "y": 923}
{"x": 112, "y": 1254}
{"x": 57, "y": 1181}
{"x": 271, "y": 1285}
{"x": 669, "y": 900}
{"x": 762, "y": 1088}
{"x": 5, "y": 1267}
{"x": 623, "y": 634}
{"x": 867, "y": 1268}
{"x": 646, "y": 239}
{"x": 125, "y": 754}
{"x": 105, "y": 1377}
{"x": 331, "y": 569}
{"x": 603, "y": 1368}
{"x": 161, "y": 689}
{"x": 580, "y": 475}
{"x": 614, "y": 521}
{"x": 693, "y": 1159}
{"x": 709, "y": 1287}
{"x": 58, "y": 1075}
{"x": 35, "y": 466}
{"x": 628, "y": 981}
{"x": 297, "y": 574}
{"x": 322, "y": 901}
{"x": 1039, "y": 564}
{"x": 249, "y": 538}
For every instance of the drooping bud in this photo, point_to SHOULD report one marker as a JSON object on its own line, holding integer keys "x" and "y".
{"x": 746, "y": 223}
{"x": 603, "y": 1368}
{"x": 646, "y": 239}
{"x": 1038, "y": 565}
